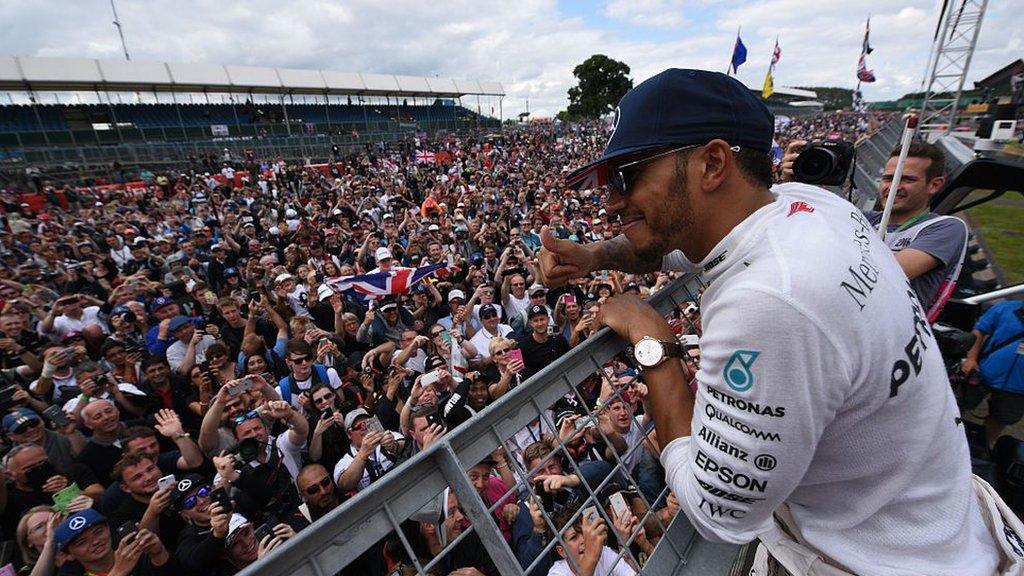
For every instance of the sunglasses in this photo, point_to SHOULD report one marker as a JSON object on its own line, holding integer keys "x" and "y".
{"x": 501, "y": 351}
{"x": 321, "y": 486}
{"x": 250, "y": 415}
{"x": 300, "y": 359}
{"x": 623, "y": 177}
{"x": 191, "y": 501}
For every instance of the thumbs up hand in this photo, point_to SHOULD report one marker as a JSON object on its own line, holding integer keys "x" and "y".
{"x": 562, "y": 260}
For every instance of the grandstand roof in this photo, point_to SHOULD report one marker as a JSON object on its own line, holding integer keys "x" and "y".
{"x": 81, "y": 74}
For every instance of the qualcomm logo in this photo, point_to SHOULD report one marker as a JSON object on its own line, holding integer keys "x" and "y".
{"x": 737, "y": 372}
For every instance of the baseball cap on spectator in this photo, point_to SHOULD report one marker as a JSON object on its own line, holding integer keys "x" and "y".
{"x": 456, "y": 294}
{"x": 16, "y": 421}
{"x": 72, "y": 335}
{"x": 387, "y": 303}
{"x": 178, "y": 322}
{"x": 119, "y": 309}
{"x": 289, "y": 213}
{"x": 388, "y": 216}
{"x": 350, "y": 418}
{"x": 283, "y": 277}
{"x": 632, "y": 287}
{"x": 323, "y": 292}
{"x": 73, "y": 526}
{"x": 679, "y": 107}
{"x": 140, "y": 241}
{"x": 476, "y": 259}
{"x": 235, "y": 524}
{"x": 562, "y": 414}
{"x": 488, "y": 310}
{"x": 538, "y": 288}
{"x": 229, "y": 272}
{"x": 535, "y": 310}
{"x": 159, "y": 303}
{"x": 433, "y": 228}
{"x": 382, "y": 254}
{"x": 602, "y": 212}
{"x": 184, "y": 488}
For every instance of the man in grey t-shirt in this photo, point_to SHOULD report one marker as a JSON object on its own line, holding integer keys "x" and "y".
{"x": 930, "y": 248}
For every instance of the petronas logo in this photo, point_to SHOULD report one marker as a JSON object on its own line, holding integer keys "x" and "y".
{"x": 737, "y": 372}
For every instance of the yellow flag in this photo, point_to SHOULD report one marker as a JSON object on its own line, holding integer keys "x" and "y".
{"x": 769, "y": 86}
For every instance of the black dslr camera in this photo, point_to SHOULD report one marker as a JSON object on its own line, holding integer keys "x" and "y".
{"x": 825, "y": 163}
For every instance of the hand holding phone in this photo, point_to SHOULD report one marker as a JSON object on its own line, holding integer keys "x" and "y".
{"x": 514, "y": 355}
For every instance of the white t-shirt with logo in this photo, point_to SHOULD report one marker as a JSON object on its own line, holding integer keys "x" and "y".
{"x": 821, "y": 386}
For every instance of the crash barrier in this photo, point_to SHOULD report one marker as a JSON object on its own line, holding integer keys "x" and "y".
{"x": 426, "y": 491}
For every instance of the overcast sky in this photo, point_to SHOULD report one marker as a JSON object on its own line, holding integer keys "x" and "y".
{"x": 530, "y": 46}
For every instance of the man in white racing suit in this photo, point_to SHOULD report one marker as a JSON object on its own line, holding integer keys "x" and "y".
{"x": 822, "y": 396}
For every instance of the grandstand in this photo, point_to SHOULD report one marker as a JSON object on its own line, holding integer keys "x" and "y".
{"x": 142, "y": 111}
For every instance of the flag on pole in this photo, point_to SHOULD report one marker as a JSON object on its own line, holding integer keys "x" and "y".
{"x": 739, "y": 54}
{"x": 769, "y": 80}
{"x": 379, "y": 284}
{"x": 863, "y": 74}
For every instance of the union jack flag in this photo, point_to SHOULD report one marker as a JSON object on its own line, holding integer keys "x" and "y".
{"x": 376, "y": 285}
{"x": 424, "y": 156}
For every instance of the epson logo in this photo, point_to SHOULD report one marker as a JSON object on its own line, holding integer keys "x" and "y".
{"x": 728, "y": 475}
{"x": 723, "y": 446}
{"x": 740, "y": 425}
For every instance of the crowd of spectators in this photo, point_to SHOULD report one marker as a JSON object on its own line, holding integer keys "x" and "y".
{"x": 184, "y": 388}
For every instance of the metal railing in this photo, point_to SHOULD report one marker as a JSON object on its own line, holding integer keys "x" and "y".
{"x": 360, "y": 524}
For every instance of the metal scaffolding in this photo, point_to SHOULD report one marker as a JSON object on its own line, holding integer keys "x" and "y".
{"x": 956, "y": 37}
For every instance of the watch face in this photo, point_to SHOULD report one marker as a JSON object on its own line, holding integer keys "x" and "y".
{"x": 648, "y": 352}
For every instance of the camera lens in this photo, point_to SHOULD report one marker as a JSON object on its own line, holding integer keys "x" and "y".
{"x": 814, "y": 165}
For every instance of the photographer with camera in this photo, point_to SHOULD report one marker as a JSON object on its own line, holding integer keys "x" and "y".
{"x": 808, "y": 418}
{"x": 930, "y": 248}
{"x": 264, "y": 467}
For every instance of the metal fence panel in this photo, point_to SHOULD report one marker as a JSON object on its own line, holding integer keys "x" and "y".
{"x": 362, "y": 522}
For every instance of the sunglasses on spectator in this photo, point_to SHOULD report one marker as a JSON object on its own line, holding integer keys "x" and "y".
{"x": 490, "y": 315}
{"x": 436, "y": 333}
{"x": 250, "y": 415}
{"x": 501, "y": 351}
{"x": 621, "y": 178}
{"x": 191, "y": 501}
{"x": 300, "y": 359}
{"x": 318, "y": 487}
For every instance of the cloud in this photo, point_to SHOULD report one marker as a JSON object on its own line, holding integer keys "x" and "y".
{"x": 530, "y": 46}
{"x": 650, "y": 13}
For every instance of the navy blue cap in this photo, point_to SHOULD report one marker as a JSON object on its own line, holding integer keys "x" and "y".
{"x": 160, "y": 303}
{"x": 73, "y": 526}
{"x": 229, "y": 272}
{"x": 178, "y": 322}
{"x": 679, "y": 107}
{"x": 13, "y": 421}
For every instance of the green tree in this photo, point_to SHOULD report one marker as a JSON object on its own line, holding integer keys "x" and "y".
{"x": 600, "y": 83}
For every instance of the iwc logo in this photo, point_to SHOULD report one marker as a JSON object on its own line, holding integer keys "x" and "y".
{"x": 737, "y": 372}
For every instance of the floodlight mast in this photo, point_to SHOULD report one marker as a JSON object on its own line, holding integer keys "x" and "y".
{"x": 120, "y": 32}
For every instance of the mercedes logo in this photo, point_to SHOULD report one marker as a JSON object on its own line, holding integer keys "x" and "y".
{"x": 184, "y": 485}
{"x": 76, "y": 523}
